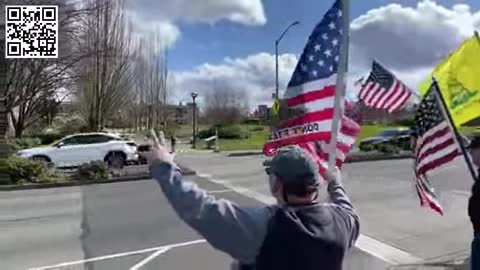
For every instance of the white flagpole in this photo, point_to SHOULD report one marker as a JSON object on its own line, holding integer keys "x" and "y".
{"x": 342, "y": 69}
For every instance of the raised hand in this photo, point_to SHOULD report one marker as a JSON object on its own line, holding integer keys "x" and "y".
{"x": 159, "y": 151}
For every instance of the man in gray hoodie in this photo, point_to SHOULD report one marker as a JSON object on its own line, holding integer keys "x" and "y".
{"x": 297, "y": 233}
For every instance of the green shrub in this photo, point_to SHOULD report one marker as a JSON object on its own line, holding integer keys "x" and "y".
{"x": 256, "y": 128}
{"x": 388, "y": 148}
{"x": 92, "y": 171}
{"x": 232, "y": 132}
{"x": 252, "y": 121}
{"x": 28, "y": 142}
{"x": 68, "y": 124}
{"x": 48, "y": 137}
{"x": 366, "y": 147}
{"x": 23, "y": 170}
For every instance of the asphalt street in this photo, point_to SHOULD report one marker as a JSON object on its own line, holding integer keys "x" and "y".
{"x": 44, "y": 228}
{"x": 127, "y": 225}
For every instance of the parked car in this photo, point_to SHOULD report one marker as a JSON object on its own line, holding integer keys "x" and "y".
{"x": 77, "y": 149}
{"x": 399, "y": 137}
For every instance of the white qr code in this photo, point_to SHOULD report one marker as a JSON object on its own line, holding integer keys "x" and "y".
{"x": 31, "y": 31}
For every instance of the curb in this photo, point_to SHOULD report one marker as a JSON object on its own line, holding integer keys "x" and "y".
{"x": 350, "y": 159}
{"x": 118, "y": 179}
{"x": 242, "y": 154}
{"x": 354, "y": 159}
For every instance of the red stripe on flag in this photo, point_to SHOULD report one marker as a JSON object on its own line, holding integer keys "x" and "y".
{"x": 328, "y": 91}
{"x": 437, "y": 134}
{"x": 382, "y": 104}
{"x": 402, "y": 101}
{"x": 365, "y": 90}
{"x": 435, "y": 149}
{"x": 316, "y": 116}
{"x": 349, "y": 127}
{"x": 438, "y": 162}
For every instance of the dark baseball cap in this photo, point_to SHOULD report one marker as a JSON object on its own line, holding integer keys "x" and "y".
{"x": 293, "y": 164}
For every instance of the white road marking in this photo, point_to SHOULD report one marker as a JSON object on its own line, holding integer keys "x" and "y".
{"x": 220, "y": 191}
{"x": 119, "y": 255}
{"x": 380, "y": 250}
{"x": 149, "y": 258}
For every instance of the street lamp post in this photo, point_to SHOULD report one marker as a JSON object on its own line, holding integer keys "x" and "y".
{"x": 194, "y": 113}
{"x": 276, "y": 55}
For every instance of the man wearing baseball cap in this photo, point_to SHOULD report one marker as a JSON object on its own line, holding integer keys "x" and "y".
{"x": 474, "y": 205}
{"x": 297, "y": 233}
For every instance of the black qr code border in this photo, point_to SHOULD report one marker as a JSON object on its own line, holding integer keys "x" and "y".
{"x": 28, "y": 48}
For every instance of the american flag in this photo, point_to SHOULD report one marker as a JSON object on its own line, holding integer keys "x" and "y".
{"x": 310, "y": 95}
{"x": 383, "y": 91}
{"x": 435, "y": 145}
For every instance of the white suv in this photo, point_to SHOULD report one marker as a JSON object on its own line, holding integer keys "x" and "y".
{"x": 77, "y": 149}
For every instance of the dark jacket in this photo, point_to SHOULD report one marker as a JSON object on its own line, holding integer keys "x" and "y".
{"x": 474, "y": 207}
{"x": 307, "y": 238}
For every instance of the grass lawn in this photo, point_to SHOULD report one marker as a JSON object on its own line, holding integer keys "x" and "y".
{"x": 255, "y": 142}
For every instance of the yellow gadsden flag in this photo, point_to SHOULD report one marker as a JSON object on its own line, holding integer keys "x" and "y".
{"x": 458, "y": 78}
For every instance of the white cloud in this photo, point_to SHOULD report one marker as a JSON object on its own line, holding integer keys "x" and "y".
{"x": 406, "y": 38}
{"x": 410, "y": 41}
{"x": 152, "y": 16}
{"x": 254, "y": 74}
{"x": 248, "y": 12}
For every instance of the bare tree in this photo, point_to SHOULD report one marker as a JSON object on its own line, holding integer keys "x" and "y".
{"x": 31, "y": 83}
{"x": 151, "y": 83}
{"x": 105, "y": 78}
{"x": 224, "y": 105}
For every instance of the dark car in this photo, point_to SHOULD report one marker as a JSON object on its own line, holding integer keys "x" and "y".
{"x": 398, "y": 137}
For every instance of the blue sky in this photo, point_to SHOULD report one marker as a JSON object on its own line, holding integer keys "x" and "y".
{"x": 230, "y": 44}
{"x": 201, "y": 43}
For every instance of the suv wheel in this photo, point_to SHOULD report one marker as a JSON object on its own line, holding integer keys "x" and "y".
{"x": 116, "y": 160}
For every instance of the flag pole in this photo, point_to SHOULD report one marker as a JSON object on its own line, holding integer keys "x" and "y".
{"x": 340, "y": 83}
{"x": 458, "y": 139}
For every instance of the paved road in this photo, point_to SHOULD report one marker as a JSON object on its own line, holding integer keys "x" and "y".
{"x": 47, "y": 227}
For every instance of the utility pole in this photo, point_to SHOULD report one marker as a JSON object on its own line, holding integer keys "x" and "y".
{"x": 194, "y": 108}
{"x": 276, "y": 63}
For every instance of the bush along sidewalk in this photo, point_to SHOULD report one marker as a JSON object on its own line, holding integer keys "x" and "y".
{"x": 26, "y": 172}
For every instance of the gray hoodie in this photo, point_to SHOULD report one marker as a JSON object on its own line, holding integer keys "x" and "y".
{"x": 236, "y": 230}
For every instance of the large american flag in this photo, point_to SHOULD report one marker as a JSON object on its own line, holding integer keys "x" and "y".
{"x": 383, "y": 91}
{"x": 435, "y": 145}
{"x": 310, "y": 95}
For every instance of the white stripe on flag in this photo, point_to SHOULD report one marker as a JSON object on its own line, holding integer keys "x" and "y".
{"x": 430, "y": 132}
{"x": 437, "y": 155}
{"x": 390, "y": 92}
{"x": 394, "y": 98}
{"x": 380, "y": 94}
{"x": 316, "y": 85}
{"x": 317, "y": 105}
{"x": 371, "y": 93}
{"x": 436, "y": 141}
{"x": 401, "y": 100}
